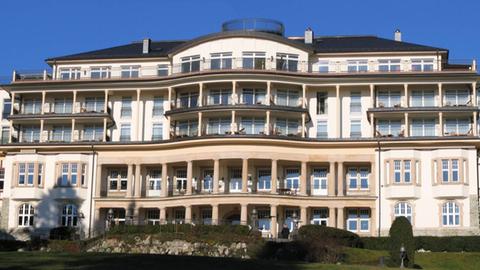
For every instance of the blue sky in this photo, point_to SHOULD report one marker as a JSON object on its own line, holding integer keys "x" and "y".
{"x": 31, "y": 31}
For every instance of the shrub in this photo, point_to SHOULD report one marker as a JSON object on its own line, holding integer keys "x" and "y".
{"x": 376, "y": 243}
{"x": 11, "y": 245}
{"x": 401, "y": 234}
{"x": 431, "y": 243}
{"x": 65, "y": 246}
{"x": 341, "y": 237}
{"x": 63, "y": 233}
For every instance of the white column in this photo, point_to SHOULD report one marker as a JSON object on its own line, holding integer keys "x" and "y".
{"x": 129, "y": 180}
{"x": 105, "y": 106}
{"x": 164, "y": 187}
{"x": 200, "y": 94}
{"x": 188, "y": 214}
{"x": 303, "y": 178}
{"x": 189, "y": 177}
{"x": 440, "y": 123}
{"x": 269, "y": 92}
{"x": 372, "y": 95}
{"x": 163, "y": 215}
{"x": 475, "y": 128}
{"x": 234, "y": 93}
{"x": 104, "y": 129}
{"x": 340, "y": 218}
{"x": 243, "y": 214}
{"x": 244, "y": 175}
{"x": 215, "y": 216}
{"x": 74, "y": 101}
{"x": 304, "y": 96}
{"x": 303, "y": 125}
{"x": 41, "y": 131}
{"x": 340, "y": 179}
{"x": 216, "y": 176}
{"x": 303, "y": 215}
{"x": 273, "y": 220}
{"x": 138, "y": 181}
{"x": 139, "y": 118}
{"x": 407, "y": 96}
{"x": 440, "y": 95}
{"x": 43, "y": 102}
{"x": 407, "y": 126}
{"x": 267, "y": 121}
{"x": 200, "y": 119}
{"x": 73, "y": 130}
{"x": 339, "y": 111}
{"x": 273, "y": 176}
{"x": 474, "y": 93}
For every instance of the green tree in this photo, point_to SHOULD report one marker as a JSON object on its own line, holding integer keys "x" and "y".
{"x": 401, "y": 234}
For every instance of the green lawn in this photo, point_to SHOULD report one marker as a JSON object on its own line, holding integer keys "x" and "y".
{"x": 54, "y": 261}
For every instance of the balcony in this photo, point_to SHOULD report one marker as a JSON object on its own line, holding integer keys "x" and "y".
{"x": 265, "y": 64}
{"x": 402, "y": 191}
{"x": 450, "y": 191}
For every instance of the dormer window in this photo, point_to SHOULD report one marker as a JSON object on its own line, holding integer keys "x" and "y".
{"x": 130, "y": 71}
{"x": 221, "y": 61}
{"x": 287, "y": 62}
{"x": 70, "y": 73}
{"x": 100, "y": 72}
{"x": 254, "y": 60}
{"x": 191, "y": 64}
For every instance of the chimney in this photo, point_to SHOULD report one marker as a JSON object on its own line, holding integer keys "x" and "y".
{"x": 308, "y": 36}
{"x": 146, "y": 46}
{"x": 398, "y": 35}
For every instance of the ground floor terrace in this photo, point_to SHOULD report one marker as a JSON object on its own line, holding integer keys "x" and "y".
{"x": 269, "y": 213}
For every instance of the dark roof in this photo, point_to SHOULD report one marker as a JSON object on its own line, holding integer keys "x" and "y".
{"x": 366, "y": 44}
{"x": 331, "y": 44}
{"x": 133, "y": 50}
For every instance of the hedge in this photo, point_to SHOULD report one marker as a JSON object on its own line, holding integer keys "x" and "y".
{"x": 342, "y": 237}
{"x": 431, "y": 243}
{"x": 12, "y": 245}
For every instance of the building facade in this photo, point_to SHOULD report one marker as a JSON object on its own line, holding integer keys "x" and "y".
{"x": 245, "y": 125}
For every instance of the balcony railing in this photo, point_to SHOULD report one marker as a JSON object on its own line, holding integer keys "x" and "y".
{"x": 257, "y": 64}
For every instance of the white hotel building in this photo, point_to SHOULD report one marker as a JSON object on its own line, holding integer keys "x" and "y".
{"x": 346, "y": 131}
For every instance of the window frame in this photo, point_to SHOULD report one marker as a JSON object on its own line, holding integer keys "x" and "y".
{"x": 26, "y": 215}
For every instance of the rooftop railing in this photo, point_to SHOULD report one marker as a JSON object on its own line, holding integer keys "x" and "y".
{"x": 202, "y": 65}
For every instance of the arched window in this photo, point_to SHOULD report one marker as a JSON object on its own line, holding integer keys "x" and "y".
{"x": 69, "y": 216}
{"x": 403, "y": 209}
{"x": 450, "y": 214}
{"x": 25, "y": 215}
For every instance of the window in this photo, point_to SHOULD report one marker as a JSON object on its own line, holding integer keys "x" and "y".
{"x": 190, "y": 64}
{"x": 357, "y": 65}
{"x": 69, "y": 174}
{"x": 94, "y": 104}
{"x": 187, "y": 128}
{"x": 458, "y": 126}
{"x": 26, "y": 174}
{"x": 252, "y": 125}
{"x": 386, "y": 65}
{"x": 450, "y": 170}
{"x": 423, "y": 127}
{"x": 287, "y": 62}
{"x": 263, "y": 219}
{"x": 208, "y": 180}
{"x": 69, "y": 216}
{"x": 286, "y": 127}
{"x": 221, "y": 60}
{"x": 422, "y": 64}
{"x": 355, "y": 102}
{"x": 320, "y": 217}
{"x": 7, "y": 108}
{"x": 253, "y": 96}
{"x": 450, "y": 214}
{"x": 322, "y": 129}
{"x": 162, "y": 70}
{"x": 125, "y": 132}
{"x": 206, "y": 215}
{"x": 118, "y": 176}
{"x": 84, "y": 175}
{"x": 322, "y": 105}
{"x": 70, "y": 73}
{"x": 179, "y": 216}
{"x": 93, "y": 132}
{"x": 407, "y": 173}
{"x": 153, "y": 216}
{"x": 30, "y": 134}
{"x": 320, "y": 181}
{"x": 358, "y": 220}
{"x": 457, "y": 97}
{"x": 61, "y": 134}
{"x": 218, "y": 126}
{"x": 40, "y": 174}
{"x": 26, "y": 214}
{"x": 403, "y": 209}
{"x": 397, "y": 171}
{"x": 5, "y": 135}
{"x": 130, "y": 71}
{"x": 155, "y": 179}
{"x": 220, "y": 97}
{"x": 158, "y": 109}
{"x": 188, "y": 100}
{"x": 292, "y": 179}
{"x": 254, "y": 60}
{"x": 126, "y": 110}
{"x": 264, "y": 179}
{"x": 235, "y": 180}
{"x": 323, "y": 66}
{"x": 358, "y": 177}
{"x": 289, "y": 98}
{"x": 355, "y": 129}
{"x": 100, "y": 72}
{"x": 423, "y": 98}
{"x": 2, "y": 178}
{"x": 62, "y": 105}
{"x": 388, "y": 98}
{"x": 32, "y": 106}
{"x": 389, "y": 128}
{"x": 181, "y": 176}
{"x": 157, "y": 132}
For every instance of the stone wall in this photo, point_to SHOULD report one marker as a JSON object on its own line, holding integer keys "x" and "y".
{"x": 150, "y": 245}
